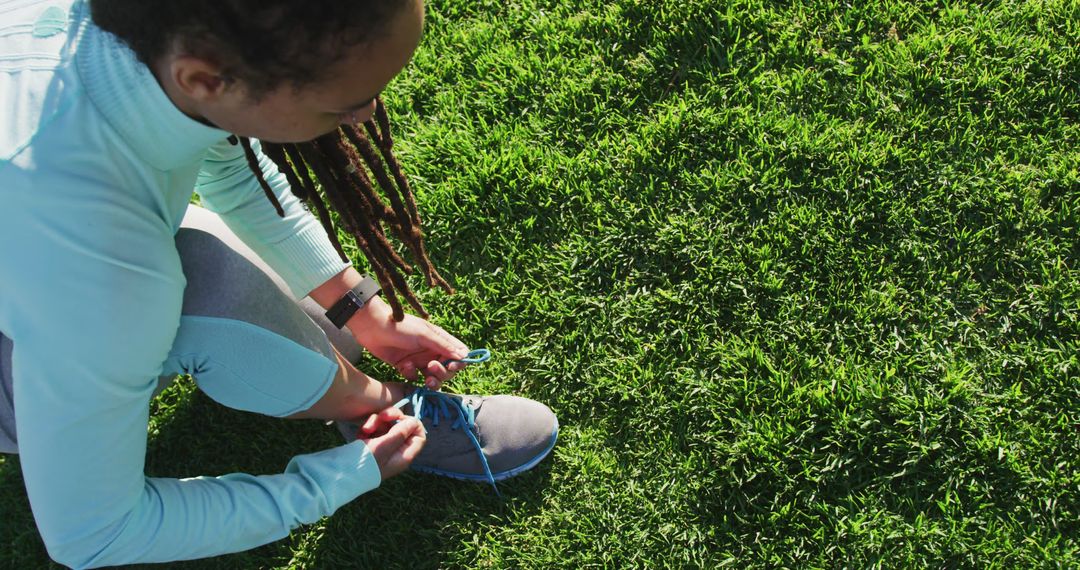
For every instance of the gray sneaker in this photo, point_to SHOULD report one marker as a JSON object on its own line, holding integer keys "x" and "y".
{"x": 474, "y": 438}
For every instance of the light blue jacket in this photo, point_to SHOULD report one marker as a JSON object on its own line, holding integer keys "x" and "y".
{"x": 97, "y": 168}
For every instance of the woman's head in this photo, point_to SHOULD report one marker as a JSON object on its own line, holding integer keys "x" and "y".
{"x": 278, "y": 70}
{"x": 287, "y": 71}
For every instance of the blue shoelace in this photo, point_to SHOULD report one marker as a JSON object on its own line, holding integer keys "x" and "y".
{"x": 474, "y": 357}
{"x": 439, "y": 406}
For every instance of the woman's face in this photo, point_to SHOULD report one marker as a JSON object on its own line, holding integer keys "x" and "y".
{"x": 346, "y": 96}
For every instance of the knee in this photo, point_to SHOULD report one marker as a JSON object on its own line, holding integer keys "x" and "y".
{"x": 249, "y": 368}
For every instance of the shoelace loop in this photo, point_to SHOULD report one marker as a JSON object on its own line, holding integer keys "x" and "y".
{"x": 474, "y": 357}
{"x": 438, "y": 405}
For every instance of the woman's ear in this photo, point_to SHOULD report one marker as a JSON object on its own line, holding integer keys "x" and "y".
{"x": 197, "y": 78}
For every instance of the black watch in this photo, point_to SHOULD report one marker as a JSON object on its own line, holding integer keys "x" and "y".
{"x": 353, "y": 301}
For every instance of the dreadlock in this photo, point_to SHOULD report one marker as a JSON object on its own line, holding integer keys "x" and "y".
{"x": 341, "y": 162}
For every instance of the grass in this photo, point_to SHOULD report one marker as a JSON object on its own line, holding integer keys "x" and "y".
{"x": 801, "y": 281}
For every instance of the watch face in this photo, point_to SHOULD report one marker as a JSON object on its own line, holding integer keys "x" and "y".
{"x": 344, "y": 309}
{"x": 367, "y": 289}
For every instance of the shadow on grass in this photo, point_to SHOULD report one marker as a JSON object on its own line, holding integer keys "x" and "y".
{"x": 422, "y": 521}
{"x": 18, "y": 533}
{"x": 412, "y": 519}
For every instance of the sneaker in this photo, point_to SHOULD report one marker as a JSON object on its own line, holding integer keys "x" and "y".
{"x": 474, "y": 438}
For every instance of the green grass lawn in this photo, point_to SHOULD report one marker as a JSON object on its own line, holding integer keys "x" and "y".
{"x": 801, "y": 282}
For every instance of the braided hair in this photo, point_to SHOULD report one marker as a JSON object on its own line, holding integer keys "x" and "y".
{"x": 341, "y": 162}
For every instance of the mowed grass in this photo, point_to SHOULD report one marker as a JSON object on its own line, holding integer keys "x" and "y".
{"x": 801, "y": 282}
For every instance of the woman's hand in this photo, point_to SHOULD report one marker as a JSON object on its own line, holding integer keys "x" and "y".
{"x": 414, "y": 347}
{"x": 394, "y": 439}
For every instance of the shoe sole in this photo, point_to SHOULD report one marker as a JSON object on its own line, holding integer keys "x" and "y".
{"x": 481, "y": 478}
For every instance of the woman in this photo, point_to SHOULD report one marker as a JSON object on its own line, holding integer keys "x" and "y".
{"x": 115, "y": 111}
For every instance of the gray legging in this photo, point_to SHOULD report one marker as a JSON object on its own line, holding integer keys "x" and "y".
{"x": 241, "y": 336}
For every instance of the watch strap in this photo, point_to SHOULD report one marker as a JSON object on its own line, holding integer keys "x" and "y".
{"x": 353, "y": 300}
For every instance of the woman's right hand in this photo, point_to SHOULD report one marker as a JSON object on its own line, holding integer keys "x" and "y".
{"x": 394, "y": 439}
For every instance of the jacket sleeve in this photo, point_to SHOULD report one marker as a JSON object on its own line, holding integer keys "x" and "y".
{"x": 296, "y": 246}
{"x": 91, "y": 295}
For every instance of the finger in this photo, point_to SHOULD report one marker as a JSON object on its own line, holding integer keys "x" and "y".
{"x": 409, "y": 450}
{"x": 410, "y": 428}
{"x": 394, "y": 437}
{"x": 408, "y": 370}
{"x": 437, "y": 370}
{"x": 412, "y": 447}
{"x": 388, "y": 415}
{"x": 391, "y": 414}
{"x": 457, "y": 347}
{"x": 435, "y": 378}
{"x": 413, "y": 427}
{"x": 370, "y": 424}
{"x": 442, "y": 342}
{"x": 432, "y": 378}
{"x": 378, "y": 421}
